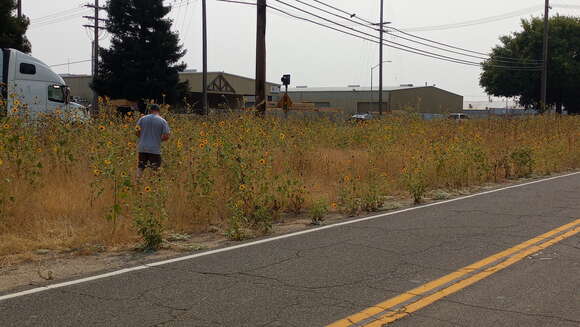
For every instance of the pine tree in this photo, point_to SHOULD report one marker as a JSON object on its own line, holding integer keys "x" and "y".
{"x": 143, "y": 61}
{"x": 12, "y": 28}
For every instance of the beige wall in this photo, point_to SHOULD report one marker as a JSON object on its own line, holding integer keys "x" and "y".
{"x": 426, "y": 100}
{"x": 80, "y": 86}
{"x": 420, "y": 99}
{"x": 242, "y": 85}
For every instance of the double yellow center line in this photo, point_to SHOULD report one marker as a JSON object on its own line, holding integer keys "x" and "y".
{"x": 404, "y": 304}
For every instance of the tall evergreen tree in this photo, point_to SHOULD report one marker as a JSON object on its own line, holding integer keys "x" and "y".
{"x": 12, "y": 28}
{"x": 143, "y": 61}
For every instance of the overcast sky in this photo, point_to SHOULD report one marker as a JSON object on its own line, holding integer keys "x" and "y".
{"x": 313, "y": 55}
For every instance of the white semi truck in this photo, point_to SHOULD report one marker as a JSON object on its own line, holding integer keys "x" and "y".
{"x": 30, "y": 84}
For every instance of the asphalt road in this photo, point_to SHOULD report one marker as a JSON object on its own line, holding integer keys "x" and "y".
{"x": 318, "y": 278}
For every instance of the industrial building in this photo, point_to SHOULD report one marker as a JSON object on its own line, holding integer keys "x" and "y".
{"x": 356, "y": 99}
{"x": 227, "y": 91}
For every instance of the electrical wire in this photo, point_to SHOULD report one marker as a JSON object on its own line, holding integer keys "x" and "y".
{"x": 459, "y": 48}
{"x": 399, "y": 45}
{"x": 56, "y": 15}
{"x": 185, "y": 16}
{"x": 58, "y": 19}
{"x": 480, "y": 21}
{"x": 71, "y": 63}
{"x": 186, "y": 35}
{"x": 373, "y": 39}
{"x": 368, "y": 24}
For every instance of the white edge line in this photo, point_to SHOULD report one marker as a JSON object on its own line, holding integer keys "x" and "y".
{"x": 267, "y": 240}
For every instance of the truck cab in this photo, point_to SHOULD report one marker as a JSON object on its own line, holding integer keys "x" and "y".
{"x": 28, "y": 83}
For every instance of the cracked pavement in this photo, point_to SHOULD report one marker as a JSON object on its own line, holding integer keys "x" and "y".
{"x": 317, "y": 278}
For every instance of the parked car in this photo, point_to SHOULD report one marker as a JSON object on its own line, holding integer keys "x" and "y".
{"x": 361, "y": 117}
{"x": 458, "y": 116}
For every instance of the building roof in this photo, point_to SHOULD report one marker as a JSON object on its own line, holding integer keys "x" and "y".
{"x": 195, "y": 72}
{"x": 363, "y": 89}
{"x": 186, "y": 72}
{"x": 352, "y": 88}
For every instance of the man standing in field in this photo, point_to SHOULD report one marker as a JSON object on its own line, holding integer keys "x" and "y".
{"x": 151, "y": 131}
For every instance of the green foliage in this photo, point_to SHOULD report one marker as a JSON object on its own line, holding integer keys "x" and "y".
{"x": 143, "y": 61}
{"x": 318, "y": 210}
{"x": 415, "y": 180}
{"x": 523, "y": 161}
{"x": 12, "y": 28}
{"x": 526, "y": 45}
{"x": 149, "y": 214}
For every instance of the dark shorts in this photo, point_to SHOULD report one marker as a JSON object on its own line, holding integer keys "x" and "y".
{"x": 149, "y": 160}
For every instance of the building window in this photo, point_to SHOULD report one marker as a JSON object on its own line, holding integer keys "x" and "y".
{"x": 28, "y": 69}
{"x": 269, "y": 98}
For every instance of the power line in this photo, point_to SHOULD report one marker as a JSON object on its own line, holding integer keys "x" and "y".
{"x": 397, "y": 45}
{"x": 185, "y": 16}
{"x": 58, "y": 19}
{"x": 57, "y": 14}
{"x": 72, "y": 63}
{"x": 367, "y": 24}
{"x": 474, "y": 22}
{"x": 458, "y": 48}
{"x": 402, "y": 47}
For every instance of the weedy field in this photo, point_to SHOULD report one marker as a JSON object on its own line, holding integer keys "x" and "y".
{"x": 66, "y": 185}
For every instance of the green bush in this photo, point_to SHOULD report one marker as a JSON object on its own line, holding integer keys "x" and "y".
{"x": 318, "y": 211}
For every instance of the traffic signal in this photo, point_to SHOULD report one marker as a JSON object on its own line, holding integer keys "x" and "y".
{"x": 286, "y": 79}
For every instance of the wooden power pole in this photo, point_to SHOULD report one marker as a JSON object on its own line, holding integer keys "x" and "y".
{"x": 204, "y": 46}
{"x": 95, "y": 26}
{"x": 381, "y": 27}
{"x": 544, "y": 91}
{"x": 19, "y": 8}
{"x": 261, "y": 58}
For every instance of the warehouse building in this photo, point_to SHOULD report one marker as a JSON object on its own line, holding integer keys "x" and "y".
{"x": 356, "y": 99}
{"x": 225, "y": 91}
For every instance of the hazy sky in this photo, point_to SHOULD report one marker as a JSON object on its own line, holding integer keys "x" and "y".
{"x": 313, "y": 55}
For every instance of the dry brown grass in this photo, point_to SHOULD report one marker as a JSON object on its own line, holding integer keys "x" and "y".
{"x": 50, "y": 199}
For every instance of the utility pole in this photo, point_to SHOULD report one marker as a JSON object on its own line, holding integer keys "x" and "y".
{"x": 381, "y": 26}
{"x": 19, "y": 8}
{"x": 381, "y": 60}
{"x": 544, "y": 91}
{"x": 204, "y": 28}
{"x": 261, "y": 58}
{"x": 96, "y": 28}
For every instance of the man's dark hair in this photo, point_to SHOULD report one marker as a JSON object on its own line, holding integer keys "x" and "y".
{"x": 154, "y": 107}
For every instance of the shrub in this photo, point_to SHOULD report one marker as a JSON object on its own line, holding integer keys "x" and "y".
{"x": 318, "y": 211}
{"x": 522, "y": 161}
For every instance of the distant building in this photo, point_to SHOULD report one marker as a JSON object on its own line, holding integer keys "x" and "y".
{"x": 356, "y": 99}
{"x": 225, "y": 90}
